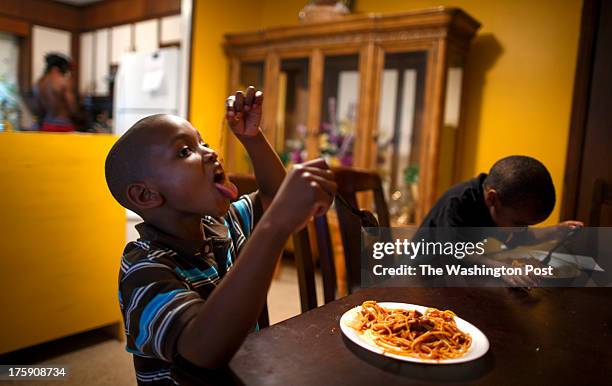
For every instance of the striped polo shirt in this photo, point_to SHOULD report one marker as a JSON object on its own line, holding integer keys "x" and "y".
{"x": 164, "y": 281}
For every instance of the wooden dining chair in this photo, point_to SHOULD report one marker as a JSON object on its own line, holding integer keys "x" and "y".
{"x": 246, "y": 183}
{"x": 350, "y": 182}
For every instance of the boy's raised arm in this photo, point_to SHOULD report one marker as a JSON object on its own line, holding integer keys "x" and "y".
{"x": 213, "y": 336}
{"x": 243, "y": 114}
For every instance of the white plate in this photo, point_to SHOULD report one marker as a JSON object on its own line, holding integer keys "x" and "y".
{"x": 479, "y": 346}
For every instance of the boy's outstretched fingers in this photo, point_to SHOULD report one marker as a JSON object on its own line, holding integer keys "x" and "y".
{"x": 258, "y": 98}
{"x": 317, "y": 163}
{"x": 249, "y": 98}
{"x": 230, "y": 113}
{"x": 323, "y": 201}
{"x": 243, "y": 112}
{"x": 324, "y": 191}
{"x": 229, "y": 104}
{"x": 324, "y": 179}
{"x": 571, "y": 224}
{"x": 239, "y": 103}
{"x": 309, "y": 191}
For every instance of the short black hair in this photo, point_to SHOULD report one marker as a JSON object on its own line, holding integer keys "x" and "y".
{"x": 523, "y": 182}
{"x": 57, "y": 60}
{"x": 128, "y": 161}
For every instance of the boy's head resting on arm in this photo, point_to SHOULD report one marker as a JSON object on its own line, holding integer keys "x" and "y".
{"x": 519, "y": 192}
{"x": 160, "y": 168}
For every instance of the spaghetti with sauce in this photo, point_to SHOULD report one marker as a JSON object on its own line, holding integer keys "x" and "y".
{"x": 432, "y": 335}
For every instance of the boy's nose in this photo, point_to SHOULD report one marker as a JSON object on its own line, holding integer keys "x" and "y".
{"x": 210, "y": 155}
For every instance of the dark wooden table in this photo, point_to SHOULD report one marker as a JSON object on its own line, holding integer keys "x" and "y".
{"x": 554, "y": 336}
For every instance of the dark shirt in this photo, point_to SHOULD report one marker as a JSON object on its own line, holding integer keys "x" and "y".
{"x": 164, "y": 282}
{"x": 461, "y": 214}
{"x": 462, "y": 205}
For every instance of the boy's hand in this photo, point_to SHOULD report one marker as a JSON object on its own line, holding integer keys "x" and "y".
{"x": 562, "y": 229}
{"x": 571, "y": 224}
{"x": 307, "y": 191}
{"x": 243, "y": 112}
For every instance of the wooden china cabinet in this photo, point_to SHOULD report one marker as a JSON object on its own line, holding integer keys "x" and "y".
{"x": 375, "y": 91}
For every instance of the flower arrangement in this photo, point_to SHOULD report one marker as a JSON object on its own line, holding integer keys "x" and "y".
{"x": 335, "y": 138}
{"x": 295, "y": 148}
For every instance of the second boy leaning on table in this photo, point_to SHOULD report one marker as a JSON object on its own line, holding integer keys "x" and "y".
{"x": 192, "y": 286}
{"x": 517, "y": 192}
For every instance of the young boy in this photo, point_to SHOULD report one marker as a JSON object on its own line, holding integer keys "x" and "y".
{"x": 192, "y": 286}
{"x": 517, "y": 192}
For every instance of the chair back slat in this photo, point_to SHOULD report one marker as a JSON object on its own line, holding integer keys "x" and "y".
{"x": 350, "y": 182}
{"x": 350, "y": 233}
{"x": 326, "y": 258}
{"x": 305, "y": 270}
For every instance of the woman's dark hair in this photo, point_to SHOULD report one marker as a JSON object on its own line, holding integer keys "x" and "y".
{"x": 523, "y": 182}
{"x": 59, "y": 61}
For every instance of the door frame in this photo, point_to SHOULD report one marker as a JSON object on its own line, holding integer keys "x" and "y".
{"x": 580, "y": 105}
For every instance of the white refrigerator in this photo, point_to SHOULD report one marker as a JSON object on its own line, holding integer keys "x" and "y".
{"x": 146, "y": 83}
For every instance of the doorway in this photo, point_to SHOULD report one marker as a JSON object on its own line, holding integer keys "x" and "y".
{"x": 588, "y": 177}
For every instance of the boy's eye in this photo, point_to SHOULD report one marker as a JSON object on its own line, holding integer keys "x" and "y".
{"x": 185, "y": 152}
{"x": 202, "y": 143}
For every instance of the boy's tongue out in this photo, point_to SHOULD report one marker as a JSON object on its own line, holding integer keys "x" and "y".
{"x": 227, "y": 189}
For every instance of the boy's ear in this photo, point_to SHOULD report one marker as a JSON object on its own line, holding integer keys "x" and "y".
{"x": 142, "y": 197}
{"x": 491, "y": 199}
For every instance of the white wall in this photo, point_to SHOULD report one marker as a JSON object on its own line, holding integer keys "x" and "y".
{"x": 170, "y": 29}
{"x": 101, "y": 61}
{"x": 102, "y": 48}
{"x": 86, "y": 74}
{"x": 121, "y": 42}
{"x": 45, "y": 40}
{"x": 146, "y": 36}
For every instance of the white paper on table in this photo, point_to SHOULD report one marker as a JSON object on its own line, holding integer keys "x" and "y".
{"x": 582, "y": 262}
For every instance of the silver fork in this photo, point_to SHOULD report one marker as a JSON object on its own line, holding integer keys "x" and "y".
{"x": 366, "y": 217}
{"x": 564, "y": 240}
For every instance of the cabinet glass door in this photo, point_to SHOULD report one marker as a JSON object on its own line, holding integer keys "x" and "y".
{"x": 399, "y": 131}
{"x": 450, "y": 124}
{"x": 339, "y": 106}
{"x": 292, "y": 110}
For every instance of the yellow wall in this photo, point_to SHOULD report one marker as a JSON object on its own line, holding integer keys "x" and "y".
{"x": 519, "y": 80}
{"x": 62, "y": 236}
{"x": 209, "y": 75}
